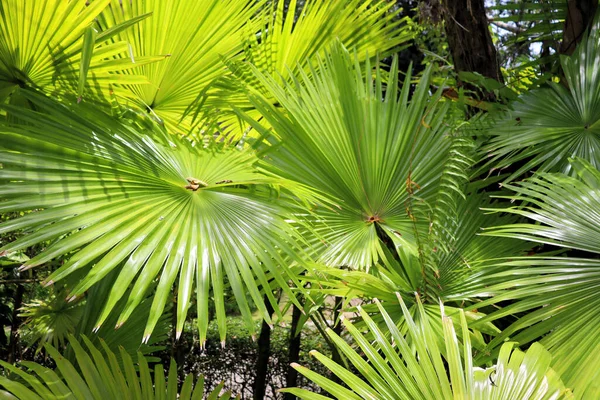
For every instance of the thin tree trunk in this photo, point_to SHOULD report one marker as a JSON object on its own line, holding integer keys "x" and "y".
{"x": 580, "y": 15}
{"x": 469, "y": 39}
{"x": 291, "y": 379}
{"x": 264, "y": 352}
{"x": 14, "y": 347}
{"x": 19, "y": 281}
{"x": 337, "y": 329}
{"x": 545, "y": 67}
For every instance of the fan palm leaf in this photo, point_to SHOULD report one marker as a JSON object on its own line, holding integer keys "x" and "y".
{"x": 549, "y": 125}
{"x": 128, "y": 197}
{"x": 129, "y": 336}
{"x": 556, "y": 296}
{"x": 99, "y": 375}
{"x": 53, "y": 45}
{"x": 195, "y": 36}
{"x": 288, "y": 44}
{"x": 289, "y": 40}
{"x": 394, "y": 171}
{"x": 53, "y": 319}
{"x": 464, "y": 256}
{"x": 377, "y": 157}
{"x": 393, "y": 369}
{"x": 534, "y": 21}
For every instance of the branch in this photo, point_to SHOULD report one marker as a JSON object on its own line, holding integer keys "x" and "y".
{"x": 507, "y": 27}
{"x": 19, "y": 281}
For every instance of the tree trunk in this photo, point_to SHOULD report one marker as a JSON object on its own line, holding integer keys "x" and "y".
{"x": 580, "y": 15}
{"x": 264, "y": 352}
{"x": 337, "y": 329}
{"x": 291, "y": 379}
{"x": 13, "y": 346}
{"x": 469, "y": 38}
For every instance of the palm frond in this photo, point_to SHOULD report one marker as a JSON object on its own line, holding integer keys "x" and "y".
{"x": 131, "y": 198}
{"x": 53, "y": 319}
{"x": 549, "y": 125}
{"x": 558, "y": 295}
{"x": 450, "y": 210}
{"x": 128, "y": 336}
{"x": 50, "y": 320}
{"x": 194, "y": 36}
{"x": 97, "y": 375}
{"x": 532, "y": 21}
{"x": 393, "y": 369}
{"x": 374, "y": 154}
{"x": 565, "y": 209}
{"x": 288, "y": 42}
{"x": 455, "y": 269}
{"x": 53, "y": 45}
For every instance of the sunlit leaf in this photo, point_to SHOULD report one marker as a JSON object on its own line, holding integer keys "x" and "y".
{"x": 393, "y": 369}
{"x": 130, "y": 198}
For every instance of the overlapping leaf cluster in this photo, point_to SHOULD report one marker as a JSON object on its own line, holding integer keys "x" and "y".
{"x": 267, "y": 151}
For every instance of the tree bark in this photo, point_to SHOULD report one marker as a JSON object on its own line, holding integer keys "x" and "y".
{"x": 291, "y": 379}
{"x": 264, "y": 352}
{"x": 469, "y": 38}
{"x": 580, "y": 15}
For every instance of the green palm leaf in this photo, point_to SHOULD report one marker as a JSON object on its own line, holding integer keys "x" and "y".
{"x": 538, "y": 21}
{"x": 129, "y": 336}
{"x": 130, "y": 197}
{"x": 393, "y": 369}
{"x": 53, "y": 319}
{"x": 452, "y": 270}
{"x": 549, "y": 125}
{"x": 50, "y": 320}
{"x": 395, "y": 174}
{"x": 288, "y": 41}
{"x": 195, "y": 36}
{"x": 377, "y": 157}
{"x": 286, "y": 45}
{"x": 559, "y": 295}
{"x": 99, "y": 376}
{"x": 52, "y": 44}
